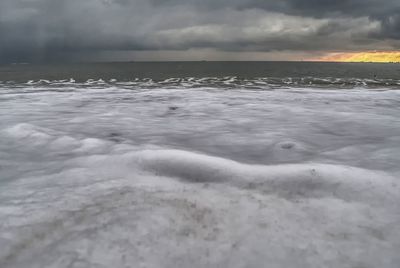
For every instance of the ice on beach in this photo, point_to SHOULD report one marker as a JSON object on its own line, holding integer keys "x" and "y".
{"x": 113, "y": 177}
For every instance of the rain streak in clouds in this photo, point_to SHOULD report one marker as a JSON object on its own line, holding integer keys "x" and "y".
{"x": 153, "y": 29}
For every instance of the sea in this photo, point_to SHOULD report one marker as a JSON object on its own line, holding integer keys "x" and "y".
{"x": 200, "y": 164}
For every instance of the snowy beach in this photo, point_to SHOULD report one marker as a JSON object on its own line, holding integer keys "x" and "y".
{"x": 115, "y": 175}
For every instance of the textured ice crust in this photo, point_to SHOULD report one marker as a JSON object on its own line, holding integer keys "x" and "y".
{"x": 76, "y": 194}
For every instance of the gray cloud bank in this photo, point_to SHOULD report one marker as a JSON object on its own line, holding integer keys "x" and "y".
{"x": 54, "y": 29}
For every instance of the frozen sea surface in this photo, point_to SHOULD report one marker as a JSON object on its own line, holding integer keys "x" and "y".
{"x": 114, "y": 176}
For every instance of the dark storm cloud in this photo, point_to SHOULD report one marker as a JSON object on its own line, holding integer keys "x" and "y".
{"x": 50, "y": 29}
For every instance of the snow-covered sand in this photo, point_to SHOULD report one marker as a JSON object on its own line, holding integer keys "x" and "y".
{"x": 206, "y": 177}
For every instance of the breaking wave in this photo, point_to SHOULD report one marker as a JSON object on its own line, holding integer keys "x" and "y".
{"x": 230, "y": 82}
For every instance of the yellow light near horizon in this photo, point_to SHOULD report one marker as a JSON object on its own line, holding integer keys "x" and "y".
{"x": 384, "y": 57}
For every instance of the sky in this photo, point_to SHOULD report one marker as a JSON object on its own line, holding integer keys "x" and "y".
{"x": 57, "y": 30}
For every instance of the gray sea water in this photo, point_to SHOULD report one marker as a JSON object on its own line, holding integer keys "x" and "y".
{"x": 200, "y": 165}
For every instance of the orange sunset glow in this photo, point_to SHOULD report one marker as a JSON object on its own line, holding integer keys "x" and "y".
{"x": 384, "y": 57}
